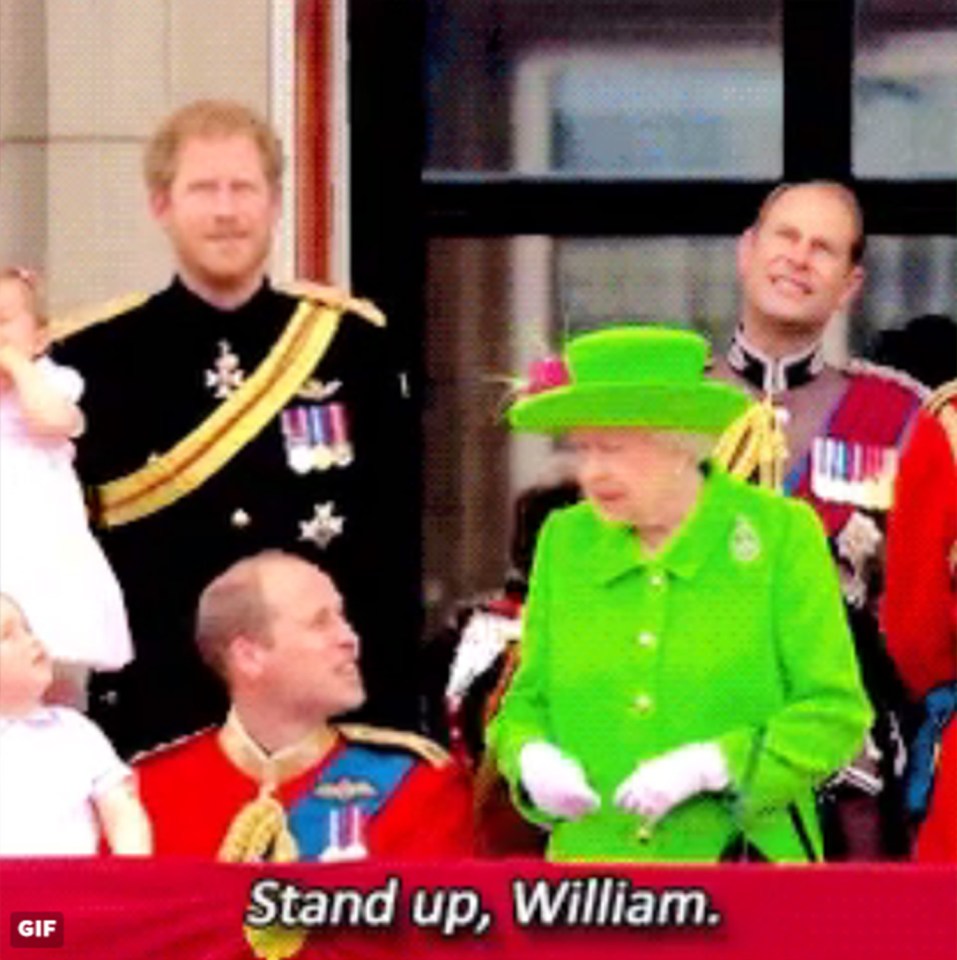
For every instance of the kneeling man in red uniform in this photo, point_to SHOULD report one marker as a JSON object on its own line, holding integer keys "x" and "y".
{"x": 279, "y": 781}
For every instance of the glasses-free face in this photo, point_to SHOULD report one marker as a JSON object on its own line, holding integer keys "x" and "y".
{"x": 20, "y": 327}
{"x": 629, "y": 474}
{"x": 311, "y": 662}
{"x": 25, "y": 667}
{"x": 219, "y": 212}
{"x": 796, "y": 264}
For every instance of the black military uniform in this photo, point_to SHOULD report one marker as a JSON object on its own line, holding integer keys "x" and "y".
{"x": 326, "y": 473}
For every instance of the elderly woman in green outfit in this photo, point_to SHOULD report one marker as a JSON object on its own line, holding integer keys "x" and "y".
{"x": 686, "y": 674}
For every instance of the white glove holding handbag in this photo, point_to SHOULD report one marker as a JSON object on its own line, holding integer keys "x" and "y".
{"x": 555, "y": 782}
{"x": 660, "y": 784}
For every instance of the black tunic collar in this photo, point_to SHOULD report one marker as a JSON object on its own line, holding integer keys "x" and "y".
{"x": 774, "y": 374}
{"x": 195, "y": 306}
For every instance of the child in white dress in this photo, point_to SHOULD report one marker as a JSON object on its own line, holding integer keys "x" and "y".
{"x": 49, "y": 559}
{"x": 61, "y": 782}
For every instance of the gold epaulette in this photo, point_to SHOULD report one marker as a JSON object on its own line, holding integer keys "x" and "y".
{"x": 92, "y": 314}
{"x": 334, "y": 297}
{"x": 163, "y": 748}
{"x": 938, "y": 404}
{"x": 384, "y": 736}
{"x": 944, "y": 394}
{"x": 857, "y": 367}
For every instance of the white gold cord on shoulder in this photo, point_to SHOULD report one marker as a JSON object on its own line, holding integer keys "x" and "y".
{"x": 858, "y": 367}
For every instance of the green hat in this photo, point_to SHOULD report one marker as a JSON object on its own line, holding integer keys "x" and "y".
{"x": 633, "y": 377}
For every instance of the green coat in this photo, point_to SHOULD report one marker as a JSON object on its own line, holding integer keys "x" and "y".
{"x": 735, "y": 633}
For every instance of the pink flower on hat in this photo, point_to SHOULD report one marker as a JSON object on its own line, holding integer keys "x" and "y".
{"x": 546, "y": 374}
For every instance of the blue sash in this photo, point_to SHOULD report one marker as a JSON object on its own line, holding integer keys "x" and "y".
{"x": 359, "y": 777}
{"x": 939, "y": 707}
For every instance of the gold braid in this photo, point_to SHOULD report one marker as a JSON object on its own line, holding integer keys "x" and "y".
{"x": 258, "y": 833}
{"x": 755, "y": 441}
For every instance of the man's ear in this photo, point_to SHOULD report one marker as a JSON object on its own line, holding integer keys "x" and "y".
{"x": 246, "y": 656}
{"x": 159, "y": 203}
{"x": 276, "y": 204}
{"x": 745, "y": 251}
{"x": 855, "y": 280}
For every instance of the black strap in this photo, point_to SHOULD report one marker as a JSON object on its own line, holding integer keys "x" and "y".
{"x": 742, "y": 847}
{"x": 739, "y": 848}
{"x": 801, "y": 831}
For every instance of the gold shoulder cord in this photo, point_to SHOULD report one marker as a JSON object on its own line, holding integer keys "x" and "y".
{"x": 755, "y": 442}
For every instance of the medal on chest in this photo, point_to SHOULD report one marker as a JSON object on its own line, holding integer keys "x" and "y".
{"x": 857, "y": 545}
{"x": 226, "y": 375}
{"x": 854, "y": 473}
{"x": 347, "y": 820}
{"x": 323, "y": 526}
{"x": 316, "y": 437}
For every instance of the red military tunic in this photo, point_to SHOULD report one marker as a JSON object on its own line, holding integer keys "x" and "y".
{"x": 920, "y": 604}
{"x": 844, "y": 427}
{"x": 193, "y": 790}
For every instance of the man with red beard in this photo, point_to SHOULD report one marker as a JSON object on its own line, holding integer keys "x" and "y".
{"x": 843, "y": 426}
{"x": 227, "y": 415}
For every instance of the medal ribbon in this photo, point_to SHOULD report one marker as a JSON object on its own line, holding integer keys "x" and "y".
{"x": 239, "y": 418}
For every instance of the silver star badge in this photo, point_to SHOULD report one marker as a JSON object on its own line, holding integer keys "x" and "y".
{"x": 745, "y": 542}
{"x": 323, "y": 527}
{"x": 226, "y": 374}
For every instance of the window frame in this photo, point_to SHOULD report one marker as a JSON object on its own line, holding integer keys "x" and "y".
{"x": 818, "y": 134}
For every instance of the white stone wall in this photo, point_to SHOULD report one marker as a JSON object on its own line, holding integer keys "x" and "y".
{"x": 82, "y": 83}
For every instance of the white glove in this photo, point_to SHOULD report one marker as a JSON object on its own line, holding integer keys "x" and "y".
{"x": 555, "y": 782}
{"x": 660, "y": 784}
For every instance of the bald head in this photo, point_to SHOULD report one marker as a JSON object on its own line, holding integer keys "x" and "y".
{"x": 274, "y": 627}
{"x": 241, "y": 602}
{"x": 844, "y": 196}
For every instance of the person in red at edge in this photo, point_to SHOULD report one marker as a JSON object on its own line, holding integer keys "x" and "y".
{"x": 279, "y": 781}
{"x": 920, "y": 603}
